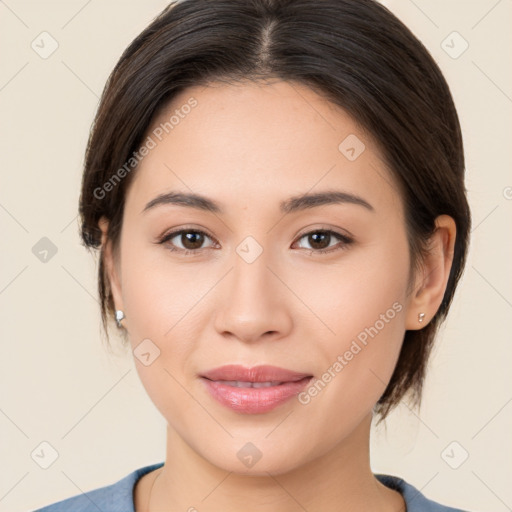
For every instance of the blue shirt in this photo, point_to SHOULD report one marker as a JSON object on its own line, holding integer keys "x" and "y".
{"x": 118, "y": 497}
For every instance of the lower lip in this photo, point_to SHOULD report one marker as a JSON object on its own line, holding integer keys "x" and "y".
{"x": 254, "y": 400}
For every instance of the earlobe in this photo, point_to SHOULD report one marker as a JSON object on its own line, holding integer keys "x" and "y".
{"x": 110, "y": 264}
{"x": 432, "y": 280}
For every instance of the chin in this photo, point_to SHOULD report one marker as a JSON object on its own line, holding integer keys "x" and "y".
{"x": 256, "y": 457}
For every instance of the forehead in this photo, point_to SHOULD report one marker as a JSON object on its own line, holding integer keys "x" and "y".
{"x": 247, "y": 141}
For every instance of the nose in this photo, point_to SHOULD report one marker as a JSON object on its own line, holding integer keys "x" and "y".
{"x": 254, "y": 302}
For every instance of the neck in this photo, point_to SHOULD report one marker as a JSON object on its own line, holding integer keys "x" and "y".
{"x": 335, "y": 481}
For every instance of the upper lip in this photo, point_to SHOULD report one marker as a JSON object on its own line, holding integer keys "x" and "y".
{"x": 262, "y": 373}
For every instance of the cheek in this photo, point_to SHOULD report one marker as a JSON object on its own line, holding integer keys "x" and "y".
{"x": 363, "y": 304}
{"x": 351, "y": 295}
{"x": 159, "y": 295}
{"x": 161, "y": 307}
{"x": 161, "y": 304}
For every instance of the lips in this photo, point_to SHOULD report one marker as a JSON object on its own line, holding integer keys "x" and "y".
{"x": 243, "y": 384}
{"x": 257, "y": 374}
{"x": 253, "y": 390}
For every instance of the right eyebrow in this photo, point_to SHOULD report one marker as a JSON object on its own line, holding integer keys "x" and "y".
{"x": 184, "y": 199}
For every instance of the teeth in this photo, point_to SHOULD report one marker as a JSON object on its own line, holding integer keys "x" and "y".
{"x": 265, "y": 384}
{"x": 242, "y": 384}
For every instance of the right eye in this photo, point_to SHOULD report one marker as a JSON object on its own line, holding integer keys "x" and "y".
{"x": 190, "y": 239}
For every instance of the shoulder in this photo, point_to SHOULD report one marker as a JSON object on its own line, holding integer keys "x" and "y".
{"x": 116, "y": 497}
{"x": 414, "y": 499}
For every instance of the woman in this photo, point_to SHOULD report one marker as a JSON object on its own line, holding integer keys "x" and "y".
{"x": 276, "y": 188}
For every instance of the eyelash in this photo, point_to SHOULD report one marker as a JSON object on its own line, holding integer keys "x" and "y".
{"x": 185, "y": 252}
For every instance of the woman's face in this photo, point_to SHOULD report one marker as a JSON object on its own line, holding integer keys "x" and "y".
{"x": 255, "y": 288}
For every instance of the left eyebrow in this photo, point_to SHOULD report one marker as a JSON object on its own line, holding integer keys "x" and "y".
{"x": 301, "y": 202}
{"x": 292, "y": 204}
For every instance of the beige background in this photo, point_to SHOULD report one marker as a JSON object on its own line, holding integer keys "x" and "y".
{"x": 59, "y": 385}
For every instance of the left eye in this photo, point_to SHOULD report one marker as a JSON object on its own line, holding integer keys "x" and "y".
{"x": 321, "y": 237}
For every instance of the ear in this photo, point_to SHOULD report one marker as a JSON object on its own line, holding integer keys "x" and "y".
{"x": 110, "y": 264}
{"x": 430, "y": 283}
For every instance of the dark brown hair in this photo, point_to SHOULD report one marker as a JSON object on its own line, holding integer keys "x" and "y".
{"x": 355, "y": 53}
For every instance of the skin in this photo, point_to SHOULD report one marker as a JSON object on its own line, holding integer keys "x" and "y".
{"x": 250, "y": 146}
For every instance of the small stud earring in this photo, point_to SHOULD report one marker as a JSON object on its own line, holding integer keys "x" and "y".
{"x": 421, "y": 316}
{"x": 119, "y": 317}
